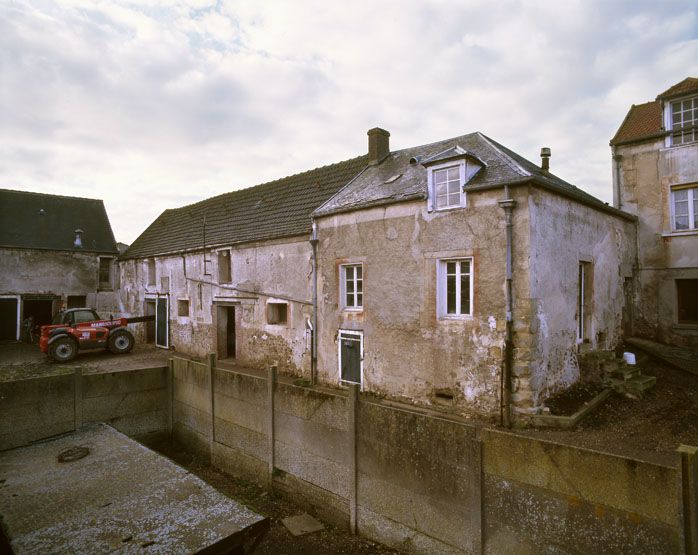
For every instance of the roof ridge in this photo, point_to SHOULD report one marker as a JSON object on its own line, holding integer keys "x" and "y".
{"x": 49, "y": 195}
{"x": 514, "y": 165}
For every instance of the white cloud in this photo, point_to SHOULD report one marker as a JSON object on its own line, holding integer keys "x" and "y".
{"x": 151, "y": 105}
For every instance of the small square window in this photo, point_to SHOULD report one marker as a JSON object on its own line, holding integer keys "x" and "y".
{"x": 352, "y": 286}
{"x": 277, "y": 313}
{"x": 183, "y": 307}
{"x": 455, "y": 288}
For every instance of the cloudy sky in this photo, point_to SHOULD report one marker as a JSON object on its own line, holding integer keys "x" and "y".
{"x": 156, "y": 104}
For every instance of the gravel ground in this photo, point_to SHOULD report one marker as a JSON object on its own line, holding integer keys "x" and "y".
{"x": 648, "y": 429}
{"x": 278, "y": 540}
{"x": 20, "y": 360}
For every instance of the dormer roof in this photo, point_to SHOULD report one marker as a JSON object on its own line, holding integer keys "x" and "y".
{"x": 685, "y": 87}
{"x": 455, "y": 152}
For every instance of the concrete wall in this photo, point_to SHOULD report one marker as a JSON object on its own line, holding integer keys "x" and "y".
{"x": 648, "y": 171}
{"x": 426, "y": 484}
{"x": 261, "y": 272}
{"x": 410, "y": 352}
{"x": 135, "y": 402}
{"x": 563, "y": 234}
{"x": 57, "y": 273}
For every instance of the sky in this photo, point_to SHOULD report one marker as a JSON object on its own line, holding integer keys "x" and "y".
{"x": 157, "y": 104}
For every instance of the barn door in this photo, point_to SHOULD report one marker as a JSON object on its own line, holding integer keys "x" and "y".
{"x": 162, "y": 334}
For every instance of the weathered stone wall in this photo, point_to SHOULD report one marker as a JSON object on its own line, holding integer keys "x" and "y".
{"x": 409, "y": 351}
{"x": 563, "y": 234}
{"x": 277, "y": 271}
{"x": 647, "y": 173}
{"x": 424, "y": 483}
{"x": 60, "y": 273}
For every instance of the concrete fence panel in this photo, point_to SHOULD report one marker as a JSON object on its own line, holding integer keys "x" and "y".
{"x": 418, "y": 481}
{"x": 36, "y": 408}
{"x": 540, "y": 494}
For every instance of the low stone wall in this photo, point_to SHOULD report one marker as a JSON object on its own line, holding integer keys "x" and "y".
{"x": 424, "y": 483}
{"x": 135, "y": 402}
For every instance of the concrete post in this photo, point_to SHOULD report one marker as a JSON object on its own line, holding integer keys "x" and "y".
{"x": 689, "y": 497}
{"x": 353, "y": 470}
{"x": 211, "y": 363}
{"x": 77, "y": 402}
{"x": 271, "y": 386}
{"x": 170, "y": 396}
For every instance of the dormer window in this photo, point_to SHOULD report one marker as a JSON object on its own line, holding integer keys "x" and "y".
{"x": 683, "y": 121}
{"x": 447, "y": 173}
{"x": 447, "y": 186}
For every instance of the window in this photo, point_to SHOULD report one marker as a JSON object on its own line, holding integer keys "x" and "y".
{"x": 77, "y": 301}
{"x": 81, "y": 316}
{"x": 684, "y": 204}
{"x": 351, "y": 356}
{"x": 225, "y": 268}
{"x": 684, "y": 121}
{"x": 277, "y": 313}
{"x": 151, "y": 271}
{"x": 583, "y": 301}
{"x": 105, "y": 265}
{"x": 183, "y": 307}
{"x": 455, "y": 288}
{"x": 687, "y": 301}
{"x": 446, "y": 186}
{"x": 352, "y": 286}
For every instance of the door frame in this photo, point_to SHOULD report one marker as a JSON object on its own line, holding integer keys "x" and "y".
{"x": 351, "y": 335}
{"x": 18, "y": 327}
{"x": 166, "y": 297}
{"x": 225, "y": 305}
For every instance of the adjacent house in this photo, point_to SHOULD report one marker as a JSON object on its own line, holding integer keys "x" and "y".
{"x": 655, "y": 177}
{"x": 456, "y": 272}
{"x": 55, "y": 251}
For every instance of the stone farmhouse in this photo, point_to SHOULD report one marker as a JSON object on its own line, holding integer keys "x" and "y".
{"x": 55, "y": 252}
{"x": 655, "y": 177}
{"x": 456, "y": 272}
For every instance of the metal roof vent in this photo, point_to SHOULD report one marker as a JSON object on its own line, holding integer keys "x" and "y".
{"x": 545, "y": 158}
{"x": 78, "y": 239}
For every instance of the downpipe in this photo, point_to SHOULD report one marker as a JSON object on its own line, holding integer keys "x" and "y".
{"x": 313, "y": 332}
{"x": 508, "y": 204}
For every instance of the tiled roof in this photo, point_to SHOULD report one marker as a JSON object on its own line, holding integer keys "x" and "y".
{"x": 40, "y": 221}
{"x": 687, "y": 86}
{"x": 375, "y": 186}
{"x": 280, "y": 208}
{"x": 644, "y": 121}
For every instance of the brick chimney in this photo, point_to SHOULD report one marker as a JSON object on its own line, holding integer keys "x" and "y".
{"x": 378, "y": 145}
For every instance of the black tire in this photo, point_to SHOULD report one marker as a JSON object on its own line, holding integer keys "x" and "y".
{"x": 120, "y": 342}
{"x": 63, "y": 349}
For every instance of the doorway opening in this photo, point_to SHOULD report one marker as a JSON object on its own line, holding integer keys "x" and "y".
{"x": 226, "y": 332}
{"x": 9, "y": 324}
{"x": 150, "y": 324}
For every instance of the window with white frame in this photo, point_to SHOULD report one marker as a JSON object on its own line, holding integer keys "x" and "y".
{"x": 684, "y": 121}
{"x": 351, "y": 356}
{"x": 455, "y": 288}
{"x": 352, "y": 286}
{"x": 446, "y": 186}
{"x": 684, "y": 207}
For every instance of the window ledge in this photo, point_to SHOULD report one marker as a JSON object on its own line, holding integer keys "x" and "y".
{"x": 352, "y": 310}
{"x": 686, "y": 327}
{"x": 466, "y": 318}
{"x": 680, "y": 233}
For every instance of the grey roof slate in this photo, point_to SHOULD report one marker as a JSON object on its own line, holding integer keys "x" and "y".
{"x": 40, "y": 221}
{"x": 502, "y": 166}
{"x": 279, "y": 208}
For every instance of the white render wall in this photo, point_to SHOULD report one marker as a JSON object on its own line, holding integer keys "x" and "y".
{"x": 279, "y": 271}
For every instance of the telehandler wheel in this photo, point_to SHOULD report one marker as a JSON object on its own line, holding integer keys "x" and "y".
{"x": 120, "y": 342}
{"x": 63, "y": 349}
